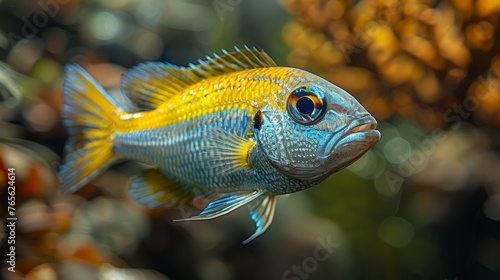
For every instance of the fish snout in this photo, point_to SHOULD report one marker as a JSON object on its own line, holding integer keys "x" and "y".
{"x": 361, "y": 133}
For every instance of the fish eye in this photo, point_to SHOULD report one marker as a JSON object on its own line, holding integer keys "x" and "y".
{"x": 307, "y": 105}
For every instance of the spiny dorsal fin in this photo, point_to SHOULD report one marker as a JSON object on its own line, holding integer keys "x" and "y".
{"x": 248, "y": 58}
{"x": 150, "y": 84}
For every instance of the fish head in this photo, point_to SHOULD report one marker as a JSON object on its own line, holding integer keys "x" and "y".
{"x": 319, "y": 129}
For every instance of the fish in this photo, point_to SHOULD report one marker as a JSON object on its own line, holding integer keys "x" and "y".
{"x": 234, "y": 127}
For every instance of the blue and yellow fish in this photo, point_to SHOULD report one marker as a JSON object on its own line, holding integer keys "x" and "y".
{"x": 234, "y": 126}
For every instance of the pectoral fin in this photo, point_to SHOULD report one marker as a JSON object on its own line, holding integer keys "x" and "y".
{"x": 262, "y": 213}
{"x": 153, "y": 189}
{"x": 228, "y": 152}
{"x": 225, "y": 204}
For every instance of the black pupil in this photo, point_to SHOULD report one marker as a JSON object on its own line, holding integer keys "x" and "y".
{"x": 305, "y": 105}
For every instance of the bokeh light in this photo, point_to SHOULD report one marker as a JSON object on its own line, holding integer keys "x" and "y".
{"x": 424, "y": 203}
{"x": 396, "y": 231}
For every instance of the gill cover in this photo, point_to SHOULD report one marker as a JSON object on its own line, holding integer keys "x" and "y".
{"x": 321, "y": 130}
{"x": 290, "y": 139}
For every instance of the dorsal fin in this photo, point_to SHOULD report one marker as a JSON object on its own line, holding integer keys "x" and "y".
{"x": 150, "y": 84}
{"x": 248, "y": 58}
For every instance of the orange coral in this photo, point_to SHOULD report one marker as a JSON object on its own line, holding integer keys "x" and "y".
{"x": 388, "y": 52}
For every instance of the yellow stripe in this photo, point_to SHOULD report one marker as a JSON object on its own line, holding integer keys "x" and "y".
{"x": 245, "y": 90}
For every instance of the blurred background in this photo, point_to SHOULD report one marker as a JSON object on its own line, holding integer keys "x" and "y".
{"x": 424, "y": 203}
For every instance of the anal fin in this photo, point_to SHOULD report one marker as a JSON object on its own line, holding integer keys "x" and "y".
{"x": 153, "y": 189}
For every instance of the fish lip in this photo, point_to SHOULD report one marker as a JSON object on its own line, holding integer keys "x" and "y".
{"x": 364, "y": 127}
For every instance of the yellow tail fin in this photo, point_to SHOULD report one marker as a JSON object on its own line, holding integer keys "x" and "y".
{"x": 89, "y": 113}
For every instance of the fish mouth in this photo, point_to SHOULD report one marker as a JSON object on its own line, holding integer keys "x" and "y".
{"x": 362, "y": 130}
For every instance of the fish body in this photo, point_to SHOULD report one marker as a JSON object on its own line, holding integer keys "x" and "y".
{"x": 234, "y": 126}
{"x": 205, "y": 138}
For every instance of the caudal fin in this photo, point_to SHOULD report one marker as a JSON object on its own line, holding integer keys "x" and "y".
{"x": 88, "y": 114}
